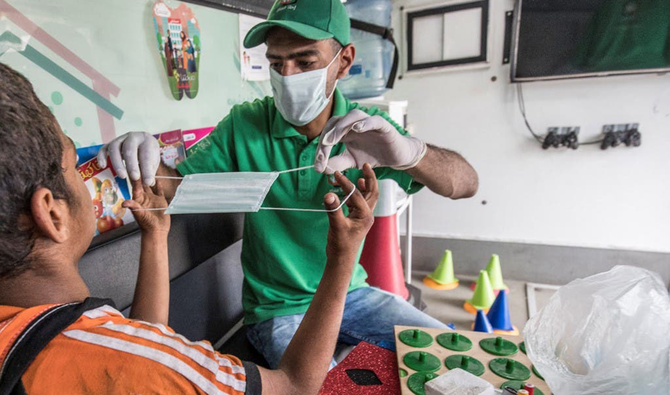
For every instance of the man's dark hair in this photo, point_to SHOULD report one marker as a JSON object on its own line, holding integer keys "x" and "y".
{"x": 31, "y": 154}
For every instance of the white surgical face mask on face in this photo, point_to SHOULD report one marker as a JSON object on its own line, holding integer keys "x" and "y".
{"x": 301, "y": 97}
{"x": 241, "y": 192}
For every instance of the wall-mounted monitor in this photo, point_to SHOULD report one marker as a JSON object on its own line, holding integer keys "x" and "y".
{"x": 555, "y": 39}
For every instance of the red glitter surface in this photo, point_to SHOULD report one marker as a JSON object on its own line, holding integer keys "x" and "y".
{"x": 365, "y": 356}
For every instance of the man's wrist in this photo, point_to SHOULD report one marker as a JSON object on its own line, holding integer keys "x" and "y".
{"x": 423, "y": 149}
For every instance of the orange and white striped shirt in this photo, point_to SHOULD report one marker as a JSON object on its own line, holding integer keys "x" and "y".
{"x": 105, "y": 353}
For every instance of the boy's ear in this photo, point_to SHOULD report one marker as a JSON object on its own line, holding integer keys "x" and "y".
{"x": 50, "y": 215}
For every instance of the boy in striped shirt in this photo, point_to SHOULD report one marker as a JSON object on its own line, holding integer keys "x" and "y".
{"x": 46, "y": 224}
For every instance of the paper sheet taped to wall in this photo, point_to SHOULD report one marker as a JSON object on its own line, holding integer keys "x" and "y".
{"x": 253, "y": 64}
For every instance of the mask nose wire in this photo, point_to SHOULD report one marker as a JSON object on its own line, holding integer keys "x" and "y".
{"x": 279, "y": 172}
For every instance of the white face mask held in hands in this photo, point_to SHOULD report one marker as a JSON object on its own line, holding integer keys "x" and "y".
{"x": 241, "y": 192}
{"x": 221, "y": 193}
{"x": 301, "y": 97}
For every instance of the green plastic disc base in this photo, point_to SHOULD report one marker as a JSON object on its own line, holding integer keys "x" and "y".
{"x": 509, "y": 369}
{"x": 522, "y": 347}
{"x": 454, "y": 342}
{"x": 498, "y": 346}
{"x": 517, "y": 385}
{"x": 421, "y": 361}
{"x": 466, "y": 363}
{"x": 537, "y": 373}
{"x": 417, "y": 381}
{"x": 415, "y": 338}
{"x": 402, "y": 372}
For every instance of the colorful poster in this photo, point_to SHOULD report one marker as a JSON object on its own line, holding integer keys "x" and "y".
{"x": 254, "y": 66}
{"x": 178, "y": 38}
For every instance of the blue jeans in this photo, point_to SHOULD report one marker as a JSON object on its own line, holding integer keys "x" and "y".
{"x": 369, "y": 315}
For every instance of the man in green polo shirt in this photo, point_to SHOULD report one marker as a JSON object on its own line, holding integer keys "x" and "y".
{"x": 306, "y": 122}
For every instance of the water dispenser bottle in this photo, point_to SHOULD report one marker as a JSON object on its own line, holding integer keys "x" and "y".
{"x": 374, "y": 55}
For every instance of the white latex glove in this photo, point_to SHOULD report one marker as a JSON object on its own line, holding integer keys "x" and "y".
{"x": 135, "y": 154}
{"x": 368, "y": 139}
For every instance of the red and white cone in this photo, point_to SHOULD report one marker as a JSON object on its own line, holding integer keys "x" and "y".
{"x": 381, "y": 252}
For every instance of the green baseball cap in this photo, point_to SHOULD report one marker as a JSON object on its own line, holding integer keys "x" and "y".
{"x": 312, "y": 19}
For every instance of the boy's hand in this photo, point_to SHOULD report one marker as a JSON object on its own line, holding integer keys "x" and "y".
{"x": 144, "y": 197}
{"x": 346, "y": 234}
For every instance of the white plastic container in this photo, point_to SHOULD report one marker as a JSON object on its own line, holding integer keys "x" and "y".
{"x": 374, "y": 55}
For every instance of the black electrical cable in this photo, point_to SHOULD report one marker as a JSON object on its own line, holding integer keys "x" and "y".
{"x": 522, "y": 109}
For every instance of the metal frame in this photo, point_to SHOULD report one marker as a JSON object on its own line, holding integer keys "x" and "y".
{"x": 507, "y": 48}
{"x": 515, "y": 58}
{"x": 409, "y": 17}
{"x": 407, "y": 206}
{"x": 231, "y": 332}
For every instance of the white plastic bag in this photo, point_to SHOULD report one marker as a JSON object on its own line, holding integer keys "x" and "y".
{"x": 607, "y": 334}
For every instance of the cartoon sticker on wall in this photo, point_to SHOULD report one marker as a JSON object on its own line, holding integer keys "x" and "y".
{"x": 178, "y": 37}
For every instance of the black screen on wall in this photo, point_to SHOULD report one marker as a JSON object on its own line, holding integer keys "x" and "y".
{"x": 580, "y": 38}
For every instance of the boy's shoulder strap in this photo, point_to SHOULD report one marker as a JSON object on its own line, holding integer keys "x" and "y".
{"x": 35, "y": 337}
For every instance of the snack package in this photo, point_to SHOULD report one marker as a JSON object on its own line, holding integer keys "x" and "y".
{"x": 107, "y": 195}
{"x": 172, "y": 147}
{"x": 193, "y": 136}
{"x": 85, "y": 154}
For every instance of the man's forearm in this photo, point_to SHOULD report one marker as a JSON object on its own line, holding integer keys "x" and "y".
{"x": 446, "y": 173}
{"x": 316, "y": 336}
{"x": 151, "y": 302}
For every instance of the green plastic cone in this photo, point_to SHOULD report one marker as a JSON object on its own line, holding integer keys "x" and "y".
{"x": 444, "y": 273}
{"x": 484, "y": 296}
{"x": 495, "y": 273}
{"x": 443, "y": 276}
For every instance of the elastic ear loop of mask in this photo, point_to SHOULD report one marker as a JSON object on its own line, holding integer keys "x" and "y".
{"x": 272, "y": 208}
{"x": 312, "y": 210}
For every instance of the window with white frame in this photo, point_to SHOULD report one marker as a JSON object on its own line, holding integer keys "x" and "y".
{"x": 448, "y": 35}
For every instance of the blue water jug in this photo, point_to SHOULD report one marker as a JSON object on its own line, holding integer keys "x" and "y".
{"x": 374, "y": 55}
